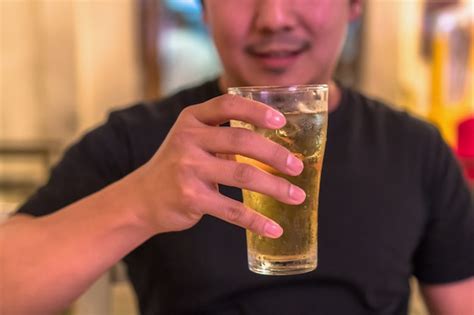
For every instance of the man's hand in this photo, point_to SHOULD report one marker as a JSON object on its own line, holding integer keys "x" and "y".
{"x": 179, "y": 184}
{"x": 169, "y": 193}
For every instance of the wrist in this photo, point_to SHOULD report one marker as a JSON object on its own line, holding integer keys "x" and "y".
{"x": 139, "y": 201}
{"x": 130, "y": 206}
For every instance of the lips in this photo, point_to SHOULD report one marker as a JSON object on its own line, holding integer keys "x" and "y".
{"x": 277, "y": 55}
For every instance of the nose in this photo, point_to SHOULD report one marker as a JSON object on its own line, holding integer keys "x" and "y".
{"x": 272, "y": 16}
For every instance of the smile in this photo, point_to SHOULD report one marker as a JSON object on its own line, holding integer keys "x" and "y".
{"x": 277, "y": 54}
{"x": 275, "y": 57}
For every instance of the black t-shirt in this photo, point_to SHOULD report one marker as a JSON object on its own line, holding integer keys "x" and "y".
{"x": 393, "y": 203}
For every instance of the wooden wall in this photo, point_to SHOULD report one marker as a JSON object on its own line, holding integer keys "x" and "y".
{"x": 64, "y": 64}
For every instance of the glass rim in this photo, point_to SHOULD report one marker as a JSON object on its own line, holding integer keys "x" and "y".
{"x": 279, "y": 88}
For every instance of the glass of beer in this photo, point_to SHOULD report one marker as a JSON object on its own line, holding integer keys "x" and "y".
{"x": 305, "y": 109}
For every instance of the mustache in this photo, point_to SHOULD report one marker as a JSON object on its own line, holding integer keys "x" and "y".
{"x": 277, "y": 42}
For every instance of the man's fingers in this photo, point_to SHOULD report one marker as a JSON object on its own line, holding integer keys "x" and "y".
{"x": 237, "y": 213}
{"x": 249, "y": 177}
{"x": 226, "y": 107}
{"x": 250, "y": 144}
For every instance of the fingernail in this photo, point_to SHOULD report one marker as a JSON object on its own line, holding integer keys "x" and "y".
{"x": 296, "y": 193}
{"x": 294, "y": 164}
{"x": 273, "y": 230}
{"x": 275, "y": 118}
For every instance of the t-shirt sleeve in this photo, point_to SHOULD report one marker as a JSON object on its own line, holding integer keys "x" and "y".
{"x": 98, "y": 159}
{"x": 446, "y": 251}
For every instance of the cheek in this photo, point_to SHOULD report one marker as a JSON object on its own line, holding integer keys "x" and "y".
{"x": 230, "y": 40}
{"x": 327, "y": 15}
{"x": 329, "y": 24}
{"x": 226, "y": 45}
{"x": 228, "y": 33}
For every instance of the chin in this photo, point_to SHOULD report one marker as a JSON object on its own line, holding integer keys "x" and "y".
{"x": 273, "y": 80}
{"x": 286, "y": 78}
{"x": 259, "y": 78}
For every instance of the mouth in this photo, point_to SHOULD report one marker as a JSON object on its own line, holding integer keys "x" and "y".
{"x": 275, "y": 57}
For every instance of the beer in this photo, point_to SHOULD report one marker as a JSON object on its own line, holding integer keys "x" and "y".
{"x": 296, "y": 250}
{"x": 305, "y": 108}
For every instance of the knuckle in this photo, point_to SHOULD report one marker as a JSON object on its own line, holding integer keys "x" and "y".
{"x": 235, "y": 212}
{"x": 280, "y": 154}
{"x": 243, "y": 173}
{"x": 187, "y": 166}
{"x": 183, "y": 136}
{"x": 185, "y": 170}
{"x": 283, "y": 186}
{"x": 239, "y": 138}
{"x": 185, "y": 113}
{"x": 230, "y": 102}
{"x": 188, "y": 197}
{"x": 256, "y": 223}
{"x": 188, "y": 110}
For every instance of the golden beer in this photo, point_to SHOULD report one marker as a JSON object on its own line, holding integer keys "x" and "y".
{"x": 296, "y": 250}
{"x": 305, "y": 108}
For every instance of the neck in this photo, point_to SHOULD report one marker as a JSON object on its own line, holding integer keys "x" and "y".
{"x": 334, "y": 93}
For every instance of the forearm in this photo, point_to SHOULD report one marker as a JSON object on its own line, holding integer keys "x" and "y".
{"x": 47, "y": 262}
{"x": 452, "y": 298}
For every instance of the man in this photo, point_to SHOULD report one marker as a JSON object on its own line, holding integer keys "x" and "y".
{"x": 143, "y": 187}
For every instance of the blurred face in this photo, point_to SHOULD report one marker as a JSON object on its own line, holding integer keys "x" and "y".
{"x": 278, "y": 42}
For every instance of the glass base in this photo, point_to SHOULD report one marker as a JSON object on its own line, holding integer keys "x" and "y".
{"x": 281, "y": 265}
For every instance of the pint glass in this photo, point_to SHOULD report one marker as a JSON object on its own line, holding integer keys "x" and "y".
{"x": 305, "y": 109}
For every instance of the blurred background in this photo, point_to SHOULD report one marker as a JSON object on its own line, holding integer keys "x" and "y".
{"x": 66, "y": 63}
